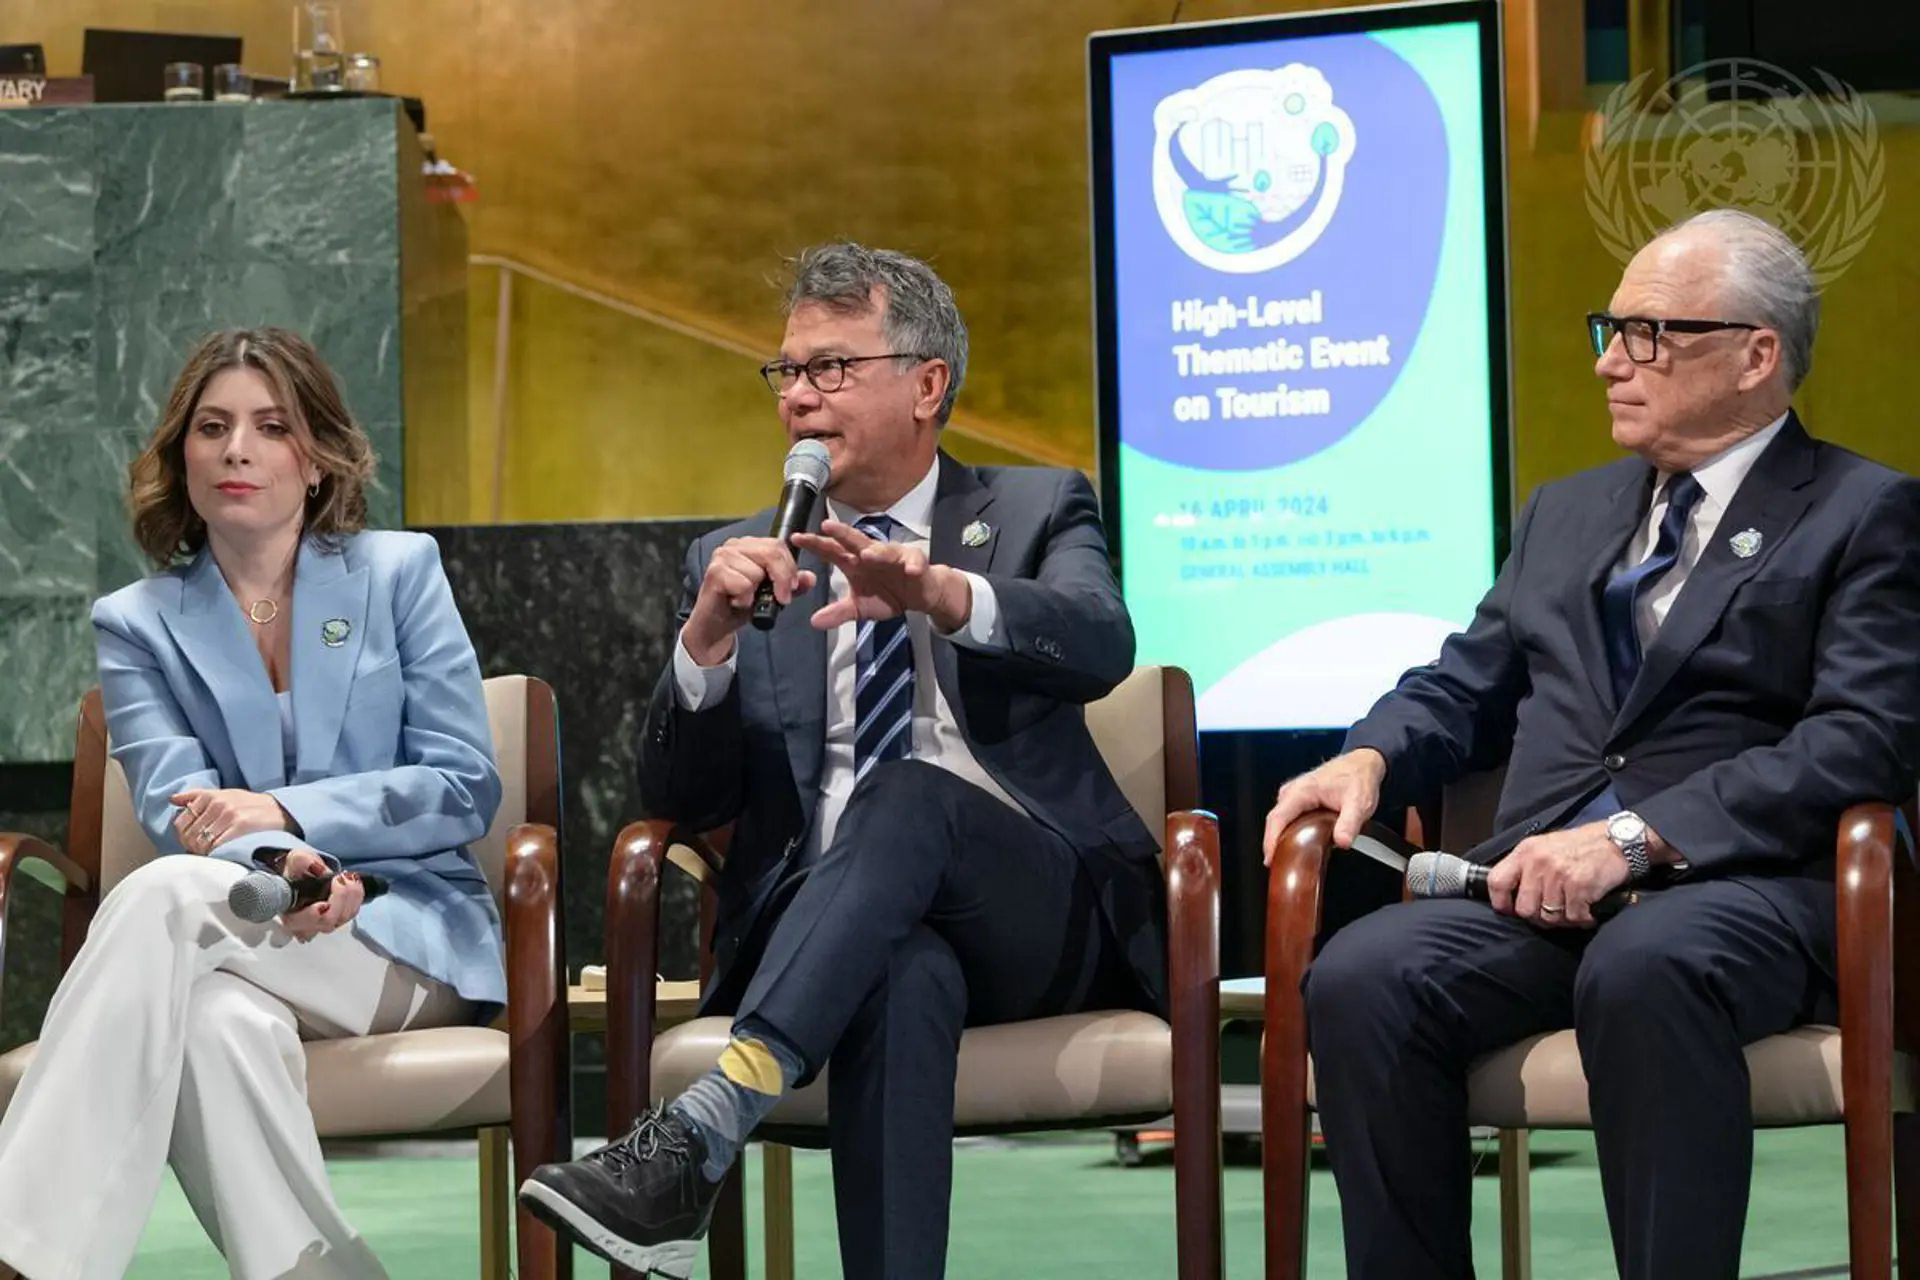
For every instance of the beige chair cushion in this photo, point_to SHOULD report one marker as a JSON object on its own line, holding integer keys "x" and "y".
{"x": 1129, "y": 728}
{"x": 1065, "y": 1071}
{"x": 124, "y": 847}
{"x": 1537, "y": 1083}
{"x": 407, "y": 1082}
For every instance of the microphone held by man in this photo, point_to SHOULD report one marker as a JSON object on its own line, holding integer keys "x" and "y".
{"x": 1432, "y": 874}
{"x": 805, "y": 476}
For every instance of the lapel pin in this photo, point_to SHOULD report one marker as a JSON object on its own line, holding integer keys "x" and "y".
{"x": 334, "y": 632}
{"x": 976, "y": 534}
{"x": 1745, "y": 543}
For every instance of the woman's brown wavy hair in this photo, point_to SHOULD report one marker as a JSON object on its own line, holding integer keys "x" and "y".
{"x": 165, "y": 524}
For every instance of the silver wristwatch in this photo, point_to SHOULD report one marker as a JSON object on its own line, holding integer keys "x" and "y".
{"x": 1628, "y": 831}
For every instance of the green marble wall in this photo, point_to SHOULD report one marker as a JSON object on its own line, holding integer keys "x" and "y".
{"x": 126, "y": 233}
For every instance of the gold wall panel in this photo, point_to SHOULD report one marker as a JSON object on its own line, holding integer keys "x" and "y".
{"x": 607, "y": 416}
{"x": 668, "y": 155}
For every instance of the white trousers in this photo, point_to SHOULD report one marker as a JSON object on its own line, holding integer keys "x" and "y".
{"x": 175, "y": 1039}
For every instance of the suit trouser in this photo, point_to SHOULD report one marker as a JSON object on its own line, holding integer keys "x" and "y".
{"x": 175, "y": 1038}
{"x": 935, "y": 907}
{"x": 1661, "y": 998}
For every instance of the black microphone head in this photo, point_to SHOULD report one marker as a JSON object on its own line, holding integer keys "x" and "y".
{"x": 1431, "y": 874}
{"x": 808, "y": 463}
{"x": 259, "y": 896}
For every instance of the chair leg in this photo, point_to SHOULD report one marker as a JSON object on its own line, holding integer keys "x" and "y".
{"x": 777, "y": 1208}
{"x": 495, "y": 1203}
{"x": 1286, "y": 1155}
{"x": 727, "y": 1230}
{"x": 1870, "y": 1175}
{"x": 1516, "y": 1207}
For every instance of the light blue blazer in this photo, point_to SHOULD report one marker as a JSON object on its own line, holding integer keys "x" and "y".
{"x": 393, "y": 771}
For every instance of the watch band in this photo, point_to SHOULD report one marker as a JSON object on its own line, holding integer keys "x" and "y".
{"x": 1633, "y": 849}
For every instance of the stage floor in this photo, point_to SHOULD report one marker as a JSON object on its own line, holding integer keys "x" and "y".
{"x": 1061, "y": 1206}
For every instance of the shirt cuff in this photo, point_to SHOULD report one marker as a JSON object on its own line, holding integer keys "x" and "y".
{"x": 697, "y": 687}
{"x": 981, "y": 630}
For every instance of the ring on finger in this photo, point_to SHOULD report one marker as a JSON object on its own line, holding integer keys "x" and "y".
{"x": 1549, "y": 909}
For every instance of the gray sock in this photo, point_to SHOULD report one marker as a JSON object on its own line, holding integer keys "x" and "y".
{"x": 755, "y": 1069}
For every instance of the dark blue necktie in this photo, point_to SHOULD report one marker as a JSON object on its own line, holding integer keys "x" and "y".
{"x": 883, "y": 679}
{"x": 1618, "y": 600}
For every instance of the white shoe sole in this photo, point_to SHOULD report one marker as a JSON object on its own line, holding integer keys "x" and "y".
{"x": 672, "y": 1260}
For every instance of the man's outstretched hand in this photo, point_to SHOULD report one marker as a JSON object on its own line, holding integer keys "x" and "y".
{"x": 886, "y": 579}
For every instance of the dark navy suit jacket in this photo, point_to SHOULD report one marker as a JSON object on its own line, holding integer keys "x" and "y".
{"x": 755, "y": 757}
{"x": 1782, "y": 687}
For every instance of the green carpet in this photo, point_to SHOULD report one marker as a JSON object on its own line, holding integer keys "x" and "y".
{"x": 1062, "y": 1207}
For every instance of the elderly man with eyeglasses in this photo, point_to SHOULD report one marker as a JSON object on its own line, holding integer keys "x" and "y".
{"x": 1693, "y": 660}
{"x": 925, "y": 837}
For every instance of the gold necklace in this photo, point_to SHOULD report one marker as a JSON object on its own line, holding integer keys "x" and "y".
{"x": 271, "y": 607}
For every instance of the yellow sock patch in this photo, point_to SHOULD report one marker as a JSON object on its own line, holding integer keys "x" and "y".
{"x": 751, "y": 1065}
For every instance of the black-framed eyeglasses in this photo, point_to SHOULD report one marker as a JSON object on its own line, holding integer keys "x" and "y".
{"x": 826, "y": 373}
{"x": 1640, "y": 335}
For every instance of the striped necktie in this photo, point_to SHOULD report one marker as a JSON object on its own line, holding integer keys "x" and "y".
{"x": 1624, "y": 589}
{"x": 883, "y": 680}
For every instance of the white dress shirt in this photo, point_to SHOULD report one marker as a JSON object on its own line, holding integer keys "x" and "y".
{"x": 1720, "y": 478}
{"x": 936, "y": 733}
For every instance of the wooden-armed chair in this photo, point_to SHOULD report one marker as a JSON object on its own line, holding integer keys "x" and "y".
{"x": 1859, "y": 1074}
{"x": 1087, "y": 1070}
{"x": 508, "y": 1081}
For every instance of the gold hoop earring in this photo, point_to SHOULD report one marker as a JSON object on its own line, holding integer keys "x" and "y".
{"x": 313, "y": 490}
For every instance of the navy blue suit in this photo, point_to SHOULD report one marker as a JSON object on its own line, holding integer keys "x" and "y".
{"x": 934, "y": 905}
{"x": 1781, "y": 687}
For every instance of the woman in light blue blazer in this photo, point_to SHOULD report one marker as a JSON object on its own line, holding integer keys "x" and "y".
{"x": 287, "y": 681}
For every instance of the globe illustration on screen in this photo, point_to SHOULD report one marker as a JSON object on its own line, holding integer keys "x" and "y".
{"x": 1248, "y": 167}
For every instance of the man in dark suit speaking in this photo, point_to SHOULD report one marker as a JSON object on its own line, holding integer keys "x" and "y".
{"x": 1700, "y": 654}
{"x": 925, "y": 836}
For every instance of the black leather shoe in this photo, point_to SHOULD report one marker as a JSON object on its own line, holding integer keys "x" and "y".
{"x": 641, "y": 1202}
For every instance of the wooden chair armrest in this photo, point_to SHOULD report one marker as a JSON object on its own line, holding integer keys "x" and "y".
{"x": 1864, "y": 952}
{"x": 633, "y": 949}
{"x": 1193, "y": 906}
{"x": 1295, "y": 881}
{"x": 538, "y": 1036}
{"x": 42, "y": 861}
{"x": 633, "y": 962}
{"x": 34, "y": 857}
{"x": 1193, "y": 1011}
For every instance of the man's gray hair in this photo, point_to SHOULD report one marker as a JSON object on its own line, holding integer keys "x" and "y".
{"x": 1764, "y": 280}
{"x": 920, "y": 319}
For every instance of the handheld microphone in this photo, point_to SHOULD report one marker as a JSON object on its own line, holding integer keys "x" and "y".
{"x": 805, "y": 475}
{"x": 260, "y": 896}
{"x": 1445, "y": 875}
